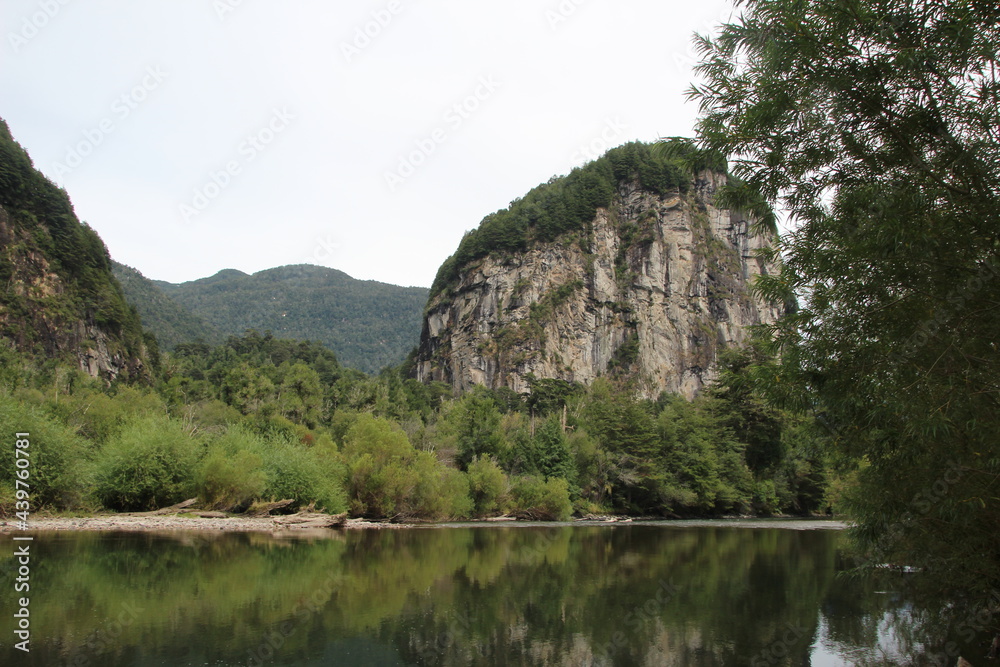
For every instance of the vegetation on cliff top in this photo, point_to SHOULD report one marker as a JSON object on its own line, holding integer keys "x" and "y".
{"x": 569, "y": 203}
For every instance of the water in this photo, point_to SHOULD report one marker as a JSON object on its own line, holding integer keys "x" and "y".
{"x": 630, "y": 595}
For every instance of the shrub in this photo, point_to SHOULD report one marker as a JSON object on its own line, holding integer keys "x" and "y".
{"x": 548, "y": 500}
{"x": 57, "y": 456}
{"x": 387, "y": 478}
{"x": 149, "y": 464}
{"x": 439, "y": 492}
{"x": 99, "y": 417}
{"x": 304, "y": 476}
{"x": 379, "y": 457}
{"x": 377, "y": 490}
{"x": 487, "y": 486}
{"x": 231, "y": 476}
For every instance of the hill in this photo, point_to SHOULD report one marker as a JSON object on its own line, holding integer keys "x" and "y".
{"x": 369, "y": 325}
{"x": 60, "y": 299}
{"x": 171, "y": 323}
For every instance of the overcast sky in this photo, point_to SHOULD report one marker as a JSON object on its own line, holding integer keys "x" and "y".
{"x": 367, "y": 136}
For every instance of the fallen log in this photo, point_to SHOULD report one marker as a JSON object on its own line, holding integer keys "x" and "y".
{"x": 264, "y": 509}
{"x": 173, "y": 509}
{"x": 312, "y": 520}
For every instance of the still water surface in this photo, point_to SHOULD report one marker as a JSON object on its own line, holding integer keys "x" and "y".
{"x": 632, "y": 595}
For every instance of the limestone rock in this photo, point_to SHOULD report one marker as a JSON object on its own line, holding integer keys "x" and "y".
{"x": 655, "y": 289}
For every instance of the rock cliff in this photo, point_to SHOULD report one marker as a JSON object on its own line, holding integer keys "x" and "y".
{"x": 653, "y": 289}
{"x": 58, "y": 298}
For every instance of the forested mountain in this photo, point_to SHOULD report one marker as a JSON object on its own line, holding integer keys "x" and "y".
{"x": 369, "y": 325}
{"x": 59, "y": 299}
{"x": 170, "y": 322}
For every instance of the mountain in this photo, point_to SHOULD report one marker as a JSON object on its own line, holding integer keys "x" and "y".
{"x": 60, "y": 299}
{"x": 626, "y": 267}
{"x": 170, "y": 322}
{"x": 369, "y": 325}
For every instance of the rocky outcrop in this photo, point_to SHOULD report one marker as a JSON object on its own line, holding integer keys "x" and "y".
{"x": 58, "y": 297}
{"x": 38, "y": 314}
{"x": 658, "y": 285}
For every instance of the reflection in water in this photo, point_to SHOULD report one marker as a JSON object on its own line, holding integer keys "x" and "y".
{"x": 638, "y": 595}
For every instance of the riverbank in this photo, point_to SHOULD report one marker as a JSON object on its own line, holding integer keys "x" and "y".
{"x": 311, "y": 522}
{"x": 235, "y": 523}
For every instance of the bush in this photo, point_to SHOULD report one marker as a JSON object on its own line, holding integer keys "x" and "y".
{"x": 440, "y": 492}
{"x": 548, "y": 500}
{"x": 57, "y": 456}
{"x": 99, "y": 417}
{"x": 149, "y": 464}
{"x": 387, "y": 478}
{"x": 231, "y": 476}
{"x": 305, "y": 476}
{"x": 379, "y": 457}
{"x": 487, "y": 486}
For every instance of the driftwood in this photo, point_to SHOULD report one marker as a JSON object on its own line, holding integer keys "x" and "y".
{"x": 212, "y": 515}
{"x": 266, "y": 508}
{"x": 173, "y": 509}
{"x": 312, "y": 520}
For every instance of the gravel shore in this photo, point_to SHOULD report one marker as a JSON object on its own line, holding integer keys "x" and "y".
{"x": 313, "y": 523}
{"x": 140, "y": 523}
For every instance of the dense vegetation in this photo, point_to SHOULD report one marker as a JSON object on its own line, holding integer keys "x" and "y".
{"x": 875, "y": 125}
{"x": 567, "y": 205}
{"x": 259, "y": 419}
{"x": 369, "y": 325}
{"x": 55, "y": 270}
{"x": 170, "y": 322}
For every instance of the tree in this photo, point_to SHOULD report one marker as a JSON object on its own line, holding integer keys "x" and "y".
{"x": 478, "y": 428}
{"x": 875, "y": 125}
{"x": 554, "y": 456}
{"x": 301, "y": 395}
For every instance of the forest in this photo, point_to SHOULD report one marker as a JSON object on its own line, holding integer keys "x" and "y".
{"x": 261, "y": 419}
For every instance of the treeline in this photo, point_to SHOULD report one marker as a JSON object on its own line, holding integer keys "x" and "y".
{"x": 260, "y": 419}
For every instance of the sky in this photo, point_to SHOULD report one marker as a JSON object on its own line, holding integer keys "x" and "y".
{"x": 365, "y": 136}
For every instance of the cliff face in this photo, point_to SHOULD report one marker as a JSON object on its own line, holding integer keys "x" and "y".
{"x": 652, "y": 292}
{"x": 58, "y": 298}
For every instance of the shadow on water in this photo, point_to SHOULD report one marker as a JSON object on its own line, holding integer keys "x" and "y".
{"x": 632, "y": 595}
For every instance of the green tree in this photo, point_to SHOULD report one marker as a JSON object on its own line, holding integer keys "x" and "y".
{"x": 875, "y": 125}
{"x": 554, "y": 456}
{"x": 246, "y": 388}
{"x": 300, "y": 396}
{"x": 625, "y": 429}
{"x": 478, "y": 427}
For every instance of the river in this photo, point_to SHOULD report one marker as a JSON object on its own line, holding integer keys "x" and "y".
{"x": 639, "y": 594}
